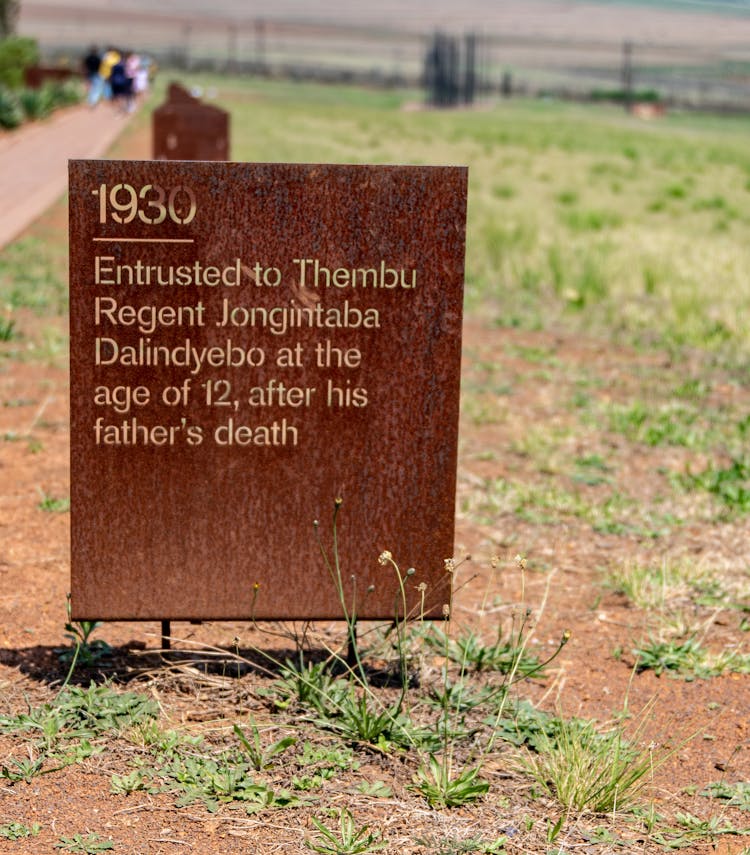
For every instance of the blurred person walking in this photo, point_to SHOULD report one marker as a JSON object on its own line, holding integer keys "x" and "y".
{"x": 91, "y": 63}
{"x": 121, "y": 84}
{"x": 101, "y": 86}
{"x": 140, "y": 77}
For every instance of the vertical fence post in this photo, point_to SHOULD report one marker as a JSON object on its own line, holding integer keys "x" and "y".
{"x": 627, "y": 74}
{"x": 187, "y": 32}
{"x": 470, "y": 68}
{"x": 260, "y": 42}
{"x": 232, "y": 49}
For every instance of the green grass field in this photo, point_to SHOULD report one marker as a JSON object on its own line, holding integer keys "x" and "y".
{"x": 579, "y": 217}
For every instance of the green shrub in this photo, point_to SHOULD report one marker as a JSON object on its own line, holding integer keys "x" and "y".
{"x": 11, "y": 112}
{"x": 650, "y": 96}
{"x": 64, "y": 94}
{"x": 36, "y": 103}
{"x": 17, "y": 53}
{"x": 16, "y": 106}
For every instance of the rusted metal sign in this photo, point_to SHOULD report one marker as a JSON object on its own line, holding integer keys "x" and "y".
{"x": 184, "y": 128}
{"x": 250, "y": 342}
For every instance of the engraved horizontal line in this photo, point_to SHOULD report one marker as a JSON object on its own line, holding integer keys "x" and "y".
{"x": 145, "y": 240}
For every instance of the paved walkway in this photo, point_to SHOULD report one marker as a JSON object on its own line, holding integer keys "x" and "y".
{"x": 34, "y": 160}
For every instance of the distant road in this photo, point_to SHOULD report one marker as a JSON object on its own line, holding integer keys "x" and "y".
{"x": 604, "y": 21}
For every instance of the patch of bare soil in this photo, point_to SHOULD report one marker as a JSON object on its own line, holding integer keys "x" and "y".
{"x": 522, "y": 430}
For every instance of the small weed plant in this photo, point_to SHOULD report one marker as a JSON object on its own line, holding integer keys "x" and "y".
{"x": 688, "y": 659}
{"x": 359, "y": 717}
{"x": 589, "y": 770}
{"x": 504, "y": 655}
{"x": 82, "y": 651}
{"x": 691, "y": 830}
{"x": 70, "y": 728}
{"x": 657, "y": 586}
{"x": 261, "y": 757}
{"x": 729, "y": 485}
{"x": 90, "y": 844}
{"x": 442, "y": 786}
{"x": 732, "y": 795}
{"x": 307, "y": 684}
{"x": 53, "y": 504}
{"x": 321, "y": 763}
{"x": 18, "y": 830}
{"x": 7, "y": 329}
{"x": 456, "y": 846}
{"x": 347, "y": 839}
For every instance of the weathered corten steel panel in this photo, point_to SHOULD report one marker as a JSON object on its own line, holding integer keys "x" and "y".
{"x": 184, "y": 128}
{"x": 250, "y": 342}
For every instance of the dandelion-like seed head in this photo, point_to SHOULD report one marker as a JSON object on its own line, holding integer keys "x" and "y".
{"x": 384, "y": 557}
{"x": 520, "y": 561}
{"x": 450, "y": 565}
{"x": 446, "y": 610}
{"x": 422, "y": 586}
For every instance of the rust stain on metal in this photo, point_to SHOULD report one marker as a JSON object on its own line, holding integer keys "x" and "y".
{"x": 248, "y": 343}
{"x": 184, "y": 128}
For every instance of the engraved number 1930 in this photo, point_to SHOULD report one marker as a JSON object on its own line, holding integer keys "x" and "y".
{"x": 151, "y": 204}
